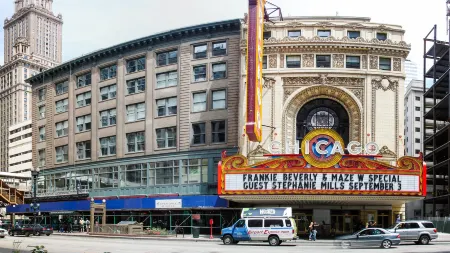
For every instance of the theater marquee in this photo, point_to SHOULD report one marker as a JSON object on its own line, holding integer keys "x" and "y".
{"x": 324, "y": 172}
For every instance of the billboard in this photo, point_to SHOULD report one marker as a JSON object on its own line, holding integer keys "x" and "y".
{"x": 253, "y": 126}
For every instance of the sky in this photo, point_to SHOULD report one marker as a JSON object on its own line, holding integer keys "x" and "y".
{"x": 90, "y": 25}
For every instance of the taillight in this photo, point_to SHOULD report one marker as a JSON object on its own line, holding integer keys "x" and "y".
{"x": 435, "y": 230}
{"x": 293, "y": 231}
{"x": 398, "y": 236}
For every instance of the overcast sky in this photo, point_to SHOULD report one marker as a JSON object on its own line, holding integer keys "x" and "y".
{"x": 90, "y": 25}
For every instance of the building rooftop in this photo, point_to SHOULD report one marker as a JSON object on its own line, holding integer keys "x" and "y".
{"x": 149, "y": 41}
{"x": 365, "y": 19}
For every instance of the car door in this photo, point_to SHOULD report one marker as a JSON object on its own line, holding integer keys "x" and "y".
{"x": 413, "y": 231}
{"x": 376, "y": 237}
{"x": 402, "y": 229}
{"x": 363, "y": 238}
{"x": 240, "y": 231}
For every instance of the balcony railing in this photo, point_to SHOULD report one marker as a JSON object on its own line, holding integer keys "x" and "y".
{"x": 58, "y": 193}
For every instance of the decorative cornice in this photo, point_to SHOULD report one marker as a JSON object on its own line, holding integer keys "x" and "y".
{"x": 385, "y": 83}
{"x": 323, "y": 79}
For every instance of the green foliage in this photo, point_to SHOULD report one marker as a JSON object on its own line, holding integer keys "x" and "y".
{"x": 39, "y": 249}
{"x": 156, "y": 231}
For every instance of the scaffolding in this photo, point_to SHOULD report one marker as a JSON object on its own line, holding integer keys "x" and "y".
{"x": 436, "y": 104}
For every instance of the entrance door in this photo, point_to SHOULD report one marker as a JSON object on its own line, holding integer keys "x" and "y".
{"x": 383, "y": 219}
{"x": 302, "y": 220}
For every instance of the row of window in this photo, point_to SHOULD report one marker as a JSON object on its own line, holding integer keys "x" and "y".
{"x": 19, "y": 154}
{"x": 18, "y": 138}
{"x": 200, "y": 51}
{"x": 20, "y": 129}
{"x": 135, "y": 142}
{"x": 325, "y": 33}
{"x": 324, "y": 61}
{"x": 22, "y": 162}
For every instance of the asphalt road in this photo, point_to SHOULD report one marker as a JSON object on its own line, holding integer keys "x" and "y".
{"x": 69, "y": 244}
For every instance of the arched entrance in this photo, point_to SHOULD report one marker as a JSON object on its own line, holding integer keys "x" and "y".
{"x": 322, "y": 113}
{"x": 296, "y": 101}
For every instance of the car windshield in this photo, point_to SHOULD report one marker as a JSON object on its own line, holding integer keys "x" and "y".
{"x": 392, "y": 227}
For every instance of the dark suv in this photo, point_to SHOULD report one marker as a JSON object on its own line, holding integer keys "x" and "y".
{"x": 41, "y": 230}
{"x": 25, "y": 230}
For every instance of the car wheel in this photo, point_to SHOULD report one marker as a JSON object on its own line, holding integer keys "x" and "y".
{"x": 37, "y": 233}
{"x": 386, "y": 244}
{"x": 47, "y": 234}
{"x": 10, "y": 233}
{"x": 227, "y": 240}
{"x": 345, "y": 245}
{"x": 280, "y": 242}
{"x": 424, "y": 239}
{"x": 235, "y": 242}
{"x": 273, "y": 240}
{"x": 416, "y": 242}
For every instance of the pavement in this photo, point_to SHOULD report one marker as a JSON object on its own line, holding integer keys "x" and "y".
{"x": 443, "y": 237}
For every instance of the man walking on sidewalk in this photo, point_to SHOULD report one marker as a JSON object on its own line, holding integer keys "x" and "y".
{"x": 81, "y": 225}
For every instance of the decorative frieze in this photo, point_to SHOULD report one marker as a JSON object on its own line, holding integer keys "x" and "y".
{"x": 281, "y": 60}
{"x": 272, "y": 61}
{"x": 323, "y": 79}
{"x": 338, "y": 60}
{"x": 373, "y": 62}
{"x": 308, "y": 60}
{"x": 385, "y": 83}
{"x": 397, "y": 64}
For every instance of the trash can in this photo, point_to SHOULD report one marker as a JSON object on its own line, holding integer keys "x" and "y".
{"x": 195, "y": 232}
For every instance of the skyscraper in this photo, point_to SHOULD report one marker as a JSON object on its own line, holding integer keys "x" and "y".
{"x": 411, "y": 71}
{"x": 32, "y": 37}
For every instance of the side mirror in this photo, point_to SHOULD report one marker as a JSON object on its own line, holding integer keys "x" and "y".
{"x": 357, "y": 236}
{"x": 395, "y": 230}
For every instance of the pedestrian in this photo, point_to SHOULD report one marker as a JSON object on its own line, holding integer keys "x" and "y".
{"x": 310, "y": 229}
{"x": 314, "y": 231}
{"x": 397, "y": 221}
{"x": 88, "y": 225}
{"x": 81, "y": 225}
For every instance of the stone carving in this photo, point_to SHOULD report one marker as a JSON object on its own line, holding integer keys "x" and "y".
{"x": 373, "y": 62}
{"x": 268, "y": 82}
{"x": 397, "y": 64}
{"x": 244, "y": 43}
{"x": 281, "y": 60}
{"x": 385, "y": 83}
{"x": 288, "y": 92}
{"x": 272, "y": 61}
{"x": 385, "y": 151}
{"x": 338, "y": 60}
{"x": 324, "y": 24}
{"x": 294, "y": 24}
{"x": 324, "y": 80}
{"x": 321, "y": 91}
{"x": 381, "y": 28}
{"x": 258, "y": 151}
{"x": 364, "y": 62}
{"x": 358, "y": 93}
{"x": 308, "y": 60}
{"x": 354, "y": 25}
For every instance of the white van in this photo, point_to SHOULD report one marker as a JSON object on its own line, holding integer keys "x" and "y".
{"x": 268, "y": 227}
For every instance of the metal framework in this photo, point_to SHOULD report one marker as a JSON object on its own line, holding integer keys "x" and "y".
{"x": 272, "y": 12}
{"x": 436, "y": 104}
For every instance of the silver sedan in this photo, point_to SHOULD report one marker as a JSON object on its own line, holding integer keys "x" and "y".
{"x": 369, "y": 237}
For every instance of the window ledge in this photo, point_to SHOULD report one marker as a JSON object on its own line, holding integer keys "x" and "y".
{"x": 218, "y": 143}
{"x": 106, "y": 100}
{"x": 136, "y": 152}
{"x": 127, "y": 95}
{"x": 101, "y": 127}
{"x": 82, "y": 106}
{"x": 130, "y": 73}
{"x": 57, "y": 95}
{"x": 129, "y": 122}
{"x": 56, "y": 113}
{"x": 165, "y": 116}
{"x": 83, "y": 131}
{"x": 57, "y": 137}
{"x": 59, "y": 163}
{"x": 217, "y": 79}
{"x": 162, "y": 149}
{"x": 218, "y": 109}
{"x": 171, "y": 64}
{"x": 104, "y": 80}
{"x": 199, "y": 145}
{"x": 160, "y": 88}
{"x": 216, "y": 56}
{"x": 203, "y": 81}
{"x": 76, "y": 88}
{"x": 106, "y": 156}
{"x": 82, "y": 160}
{"x": 200, "y": 58}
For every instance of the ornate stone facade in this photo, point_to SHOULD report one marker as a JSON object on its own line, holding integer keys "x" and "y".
{"x": 397, "y": 62}
{"x": 338, "y": 60}
{"x": 373, "y": 62}
{"x": 272, "y": 61}
{"x": 308, "y": 61}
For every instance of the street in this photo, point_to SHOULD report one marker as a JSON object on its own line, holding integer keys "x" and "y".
{"x": 71, "y": 244}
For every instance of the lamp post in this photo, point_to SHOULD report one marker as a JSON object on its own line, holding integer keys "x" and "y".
{"x": 35, "y": 206}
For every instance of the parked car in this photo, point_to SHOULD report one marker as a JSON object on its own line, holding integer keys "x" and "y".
{"x": 25, "y": 230}
{"x": 419, "y": 232}
{"x": 369, "y": 237}
{"x": 41, "y": 230}
{"x": 3, "y": 233}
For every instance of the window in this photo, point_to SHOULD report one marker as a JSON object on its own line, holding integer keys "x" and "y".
{"x": 417, "y": 129}
{"x": 199, "y": 102}
{"x": 413, "y": 225}
{"x": 83, "y": 99}
{"x": 219, "y": 48}
{"x": 41, "y": 112}
{"x": 167, "y": 79}
{"x": 135, "y": 112}
{"x": 352, "y": 62}
{"x": 41, "y": 154}
{"x": 417, "y": 151}
{"x": 62, "y": 105}
{"x": 417, "y": 118}
{"x": 135, "y": 142}
{"x": 108, "y": 118}
{"x": 166, "y": 172}
{"x": 240, "y": 224}
{"x": 428, "y": 224}
{"x": 255, "y": 223}
{"x": 417, "y": 140}
{"x": 385, "y": 63}
{"x": 109, "y": 72}
{"x": 288, "y": 223}
{"x": 417, "y": 109}
{"x": 267, "y": 35}
{"x": 293, "y": 61}
{"x": 62, "y": 128}
{"x": 83, "y": 150}
{"x": 83, "y": 123}
{"x": 264, "y": 63}
{"x": 273, "y": 223}
{"x": 294, "y": 34}
{"x": 42, "y": 133}
{"x": 382, "y": 36}
{"x": 353, "y": 34}
{"x": 324, "y": 33}
{"x": 199, "y": 73}
{"x": 166, "y": 137}
{"x": 84, "y": 80}
{"x": 218, "y": 131}
{"x": 136, "y": 175}
{"x": 62, "y": 153}
{"x": 41, "y": 94}
{"x": 166, "y": 106}
{"x": 108, "y": 92}
{"x": 323, "y": 61}
{"x": 194, "y": 171}
{"x": 200, "y": 51}
{"x": 219, "y": 99}
{"x": 108, "y": 146}
{"x": 198, "y": 133}
{"x": 62, "y": 88}
{"x": 166, "y": 58}
{"x": 417, "y": 98}
{"x": 135, "y": 86}
{"x": 135, "y": 65}
{"x": 219, "y": 70}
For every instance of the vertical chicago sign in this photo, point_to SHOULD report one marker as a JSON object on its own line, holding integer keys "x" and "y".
{"x": 254, "y": 69}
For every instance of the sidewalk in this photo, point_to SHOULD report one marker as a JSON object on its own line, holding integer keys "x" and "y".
{"x": 443, "y": 237}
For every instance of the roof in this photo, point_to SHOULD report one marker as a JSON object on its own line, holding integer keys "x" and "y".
{"x": 151, "y": 40}
{"x": 367, "y": 19}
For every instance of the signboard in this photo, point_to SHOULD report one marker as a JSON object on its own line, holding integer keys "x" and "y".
{"x": 267, "y": 212}
{"x": 168, "y": 203}
{"x": 255, "y": 32}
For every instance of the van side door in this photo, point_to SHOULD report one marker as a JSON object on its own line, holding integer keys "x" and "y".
{"x": 255, "y": 229}
{"x": 240, "y": 231}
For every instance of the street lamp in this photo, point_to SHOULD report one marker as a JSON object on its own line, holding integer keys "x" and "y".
{"x": 35, "y": 206}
